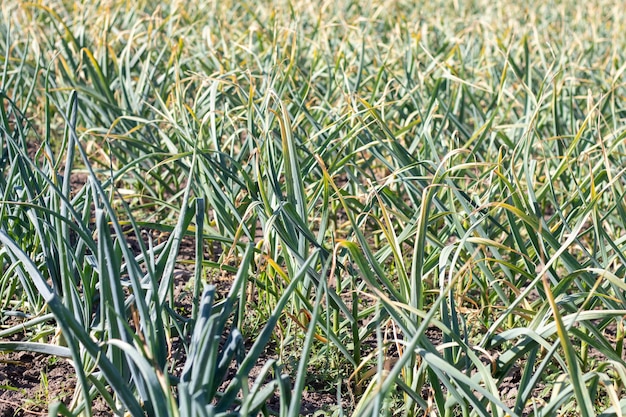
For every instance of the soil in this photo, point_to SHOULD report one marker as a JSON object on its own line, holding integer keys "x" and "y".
{"x": 25, "y": 392}
{"x": 31, "y": 382}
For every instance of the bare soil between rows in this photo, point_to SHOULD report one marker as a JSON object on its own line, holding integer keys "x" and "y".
{"x": 31, "y": 382}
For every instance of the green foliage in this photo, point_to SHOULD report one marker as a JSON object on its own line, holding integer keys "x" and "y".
{"x": 429, "y": 201}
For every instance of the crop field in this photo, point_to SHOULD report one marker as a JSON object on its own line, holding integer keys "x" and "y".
{"x": 342, "y": 208}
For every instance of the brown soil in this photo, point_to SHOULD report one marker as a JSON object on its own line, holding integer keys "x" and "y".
{"x": 30, "y": 382}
